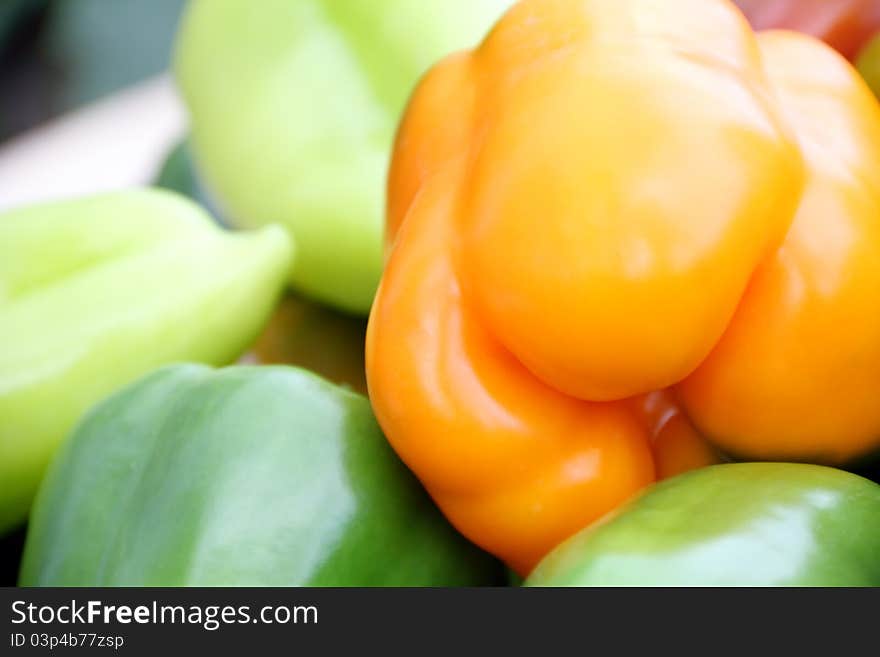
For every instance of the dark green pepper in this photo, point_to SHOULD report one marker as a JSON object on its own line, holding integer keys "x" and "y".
{"x": 745, "y": 524}
{"x": 239, "y": 476}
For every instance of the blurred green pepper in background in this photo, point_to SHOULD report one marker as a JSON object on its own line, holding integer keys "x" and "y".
{"x": 96, "y": 292}
{"x": 744, "y": 524}
{"x": 293, "y": 108}
{"x": 868, "y": 64}
{"x": 245, "y": 476}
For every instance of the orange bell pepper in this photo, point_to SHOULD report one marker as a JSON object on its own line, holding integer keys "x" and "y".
{"x": 604, "y": 200}
{"x": 846, "y": 25}
{"x": 676, "y": 444}
{"x": 796, "y": 375}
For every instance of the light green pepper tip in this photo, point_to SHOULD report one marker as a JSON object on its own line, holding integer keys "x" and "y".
{"x": 95, "y": 292}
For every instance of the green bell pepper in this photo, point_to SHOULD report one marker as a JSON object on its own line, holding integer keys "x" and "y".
{"x": 96, "y": 292}
{"x": 293, "y": 106}
{"x": 241, "y": 476}
{"x": 745, "y": 524}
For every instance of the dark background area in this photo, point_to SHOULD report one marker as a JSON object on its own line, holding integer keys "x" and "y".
{"x": 11, "y": 547}
{"x": 57, "y": 55}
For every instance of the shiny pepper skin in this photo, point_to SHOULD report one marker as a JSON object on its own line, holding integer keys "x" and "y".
{"x": 760, "y": 524}
{"x": 796, "y": 375}
{"x": 239, "y": 476}
{"x": 609, "y": 199}
{"x": 676, "y": 444}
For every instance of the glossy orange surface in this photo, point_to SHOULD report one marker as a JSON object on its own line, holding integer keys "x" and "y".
{"x": 571, "y": 213}
{"x": 797, "y": 374}
{"x": 581, "y": 212}
{"x": 675, "y": 443}
{"x": 509, "y": 459}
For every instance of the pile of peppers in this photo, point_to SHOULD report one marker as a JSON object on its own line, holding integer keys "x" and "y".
{"x": 572, "y": 292}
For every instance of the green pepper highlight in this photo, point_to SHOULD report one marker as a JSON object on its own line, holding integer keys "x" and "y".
{"x": 744, "y": 524}
{"x": 251, "y": 476}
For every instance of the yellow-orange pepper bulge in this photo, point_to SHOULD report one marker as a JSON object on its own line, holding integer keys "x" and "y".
{"x": 796, "y": 376}
{"x": 608, "y": 199}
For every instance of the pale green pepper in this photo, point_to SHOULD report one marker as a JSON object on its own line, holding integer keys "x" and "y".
{"x": 96, "y": 292}
{"x": 293, "y": 107}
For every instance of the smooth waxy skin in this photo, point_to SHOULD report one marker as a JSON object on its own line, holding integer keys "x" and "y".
{"x": 746, "y": 524}
{"x": 244, "y": 476}
{"x": 796, "y": 376}
{"x": 571, "y": 185}
{"x": 515, "y": 465}
{"x": 293, "y": 108}
{"x": 676, "y": 444}
{"x": 846, "y": 25}
{"x": 569, "y": 215}
{"x": 96, "y": 292}
{"x": 572, "y": 214}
